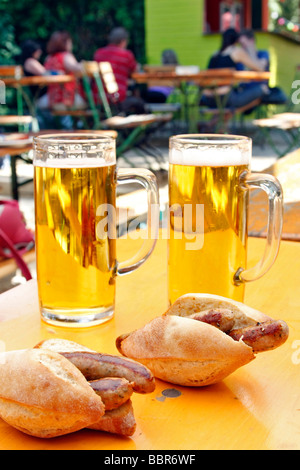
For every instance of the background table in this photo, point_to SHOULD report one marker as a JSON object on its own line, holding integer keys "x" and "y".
{"x": 18, "y": 152}
{"x": 204, "y": 78}
{"x": 193, "y": 85}
{"x": 23, "y": 84}
{"x": 257, "y": 407}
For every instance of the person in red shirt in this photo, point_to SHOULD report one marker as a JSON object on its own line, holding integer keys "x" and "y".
{"x": 61, "y": 60}
{"x": 123, "y": 65}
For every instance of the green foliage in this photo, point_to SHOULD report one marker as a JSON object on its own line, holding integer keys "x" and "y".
{"x": 289, "y": 9}
{"x": 88, "y": 21}
{"x": 285, "y": 15}
{"x": 8, "y": 47}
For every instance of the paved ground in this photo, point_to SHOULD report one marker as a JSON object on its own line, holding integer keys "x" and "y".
{"x": 263, "y": 157}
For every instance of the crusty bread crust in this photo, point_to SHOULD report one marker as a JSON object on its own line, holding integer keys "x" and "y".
{"x": 44, "y": 395}
{"x": 61, "y": 345}
{"x": 194, "y": 303}
{"x": 186, "y": 352}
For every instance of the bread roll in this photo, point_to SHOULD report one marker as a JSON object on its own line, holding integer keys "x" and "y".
{"x": 183, "y": 351}
{"x": 118, "y": 421}
{"x": 42, "y": 394}
{"x": 193, "y": 303}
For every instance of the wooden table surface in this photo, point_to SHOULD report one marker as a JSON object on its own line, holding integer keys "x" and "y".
{"x": 39, "y": 80}
{"x": 219, "y": 77}
{"x": 257, "y": 407}
{"x": 18, "y": 149}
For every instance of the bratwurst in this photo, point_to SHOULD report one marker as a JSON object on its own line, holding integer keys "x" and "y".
{"x": 264, "y": 336}
{"x": 201, "y": 339}
{"x": 261, "y": 337}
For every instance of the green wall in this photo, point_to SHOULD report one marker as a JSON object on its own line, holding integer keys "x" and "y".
{"x": 174, "y": 24}
{"x": 178, "y": 24}
{"x": 285, "y": 57}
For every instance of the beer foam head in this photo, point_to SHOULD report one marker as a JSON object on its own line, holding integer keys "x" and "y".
{"x": 66, "y": 163}
{"x": 211, "y": 152}
{"x": 74, "y": 151}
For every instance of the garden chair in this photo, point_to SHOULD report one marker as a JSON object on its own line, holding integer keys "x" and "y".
{"x": 91, "y": 113}
{"x": 285, "y": 124}
{"x": 174, "y": 102}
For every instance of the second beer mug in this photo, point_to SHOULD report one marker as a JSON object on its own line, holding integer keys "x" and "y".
{"x": 209, "y": 182}
{"x": 75, "y": 200}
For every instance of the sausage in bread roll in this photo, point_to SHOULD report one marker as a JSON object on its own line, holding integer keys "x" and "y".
{"x": 201, "y": 339}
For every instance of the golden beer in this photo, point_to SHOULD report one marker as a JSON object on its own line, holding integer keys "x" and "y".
{"x": 210, "y": 267}
{"x": 76, "y": 257}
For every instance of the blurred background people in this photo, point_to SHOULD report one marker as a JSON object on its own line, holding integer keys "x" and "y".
{"x": 31, "y": 53}
{"x": 123, "y": 64}
{"x": 160, "y": 93}
{"x": 169, "y": 57}
{"x": 248, "y": 42}
{"x": 231, "y": 55}
{"x": 62, "y": 60}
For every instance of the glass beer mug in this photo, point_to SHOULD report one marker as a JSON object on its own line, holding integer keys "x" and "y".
{"x": 209, "y": 183}
{"x": 75, "y": 208}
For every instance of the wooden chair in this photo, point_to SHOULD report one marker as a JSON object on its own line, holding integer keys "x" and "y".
{"x": 91, "y": 112}
{"x": 222, "y": 114}
{"x": 221, "y": 117}
{"x": 174, "y": 101}
{"x": 285, "y": 124}
{"x": 133, "y": 130}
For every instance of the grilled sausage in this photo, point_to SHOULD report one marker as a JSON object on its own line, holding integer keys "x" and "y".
{"x": 113, "y": 391}
{"x": 264, "y": 336}
{"x": 221, "y": 318}
{"x": 95, "y": 366}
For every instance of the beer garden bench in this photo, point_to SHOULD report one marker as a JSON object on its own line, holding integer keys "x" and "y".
{"x": 287, "y": 125}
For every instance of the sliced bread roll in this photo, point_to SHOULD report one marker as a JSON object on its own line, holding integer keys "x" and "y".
{"x": 189, "y": 304}
{"x": 181, "y": 350}
{"x": 42, "y": 394}
{"x": 185, "y": 352}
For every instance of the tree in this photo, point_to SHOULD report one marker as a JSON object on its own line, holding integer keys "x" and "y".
{"x": 286, "y": 17}
{"x": 8, "y": 47}
{"x": 289, "y": 9}
{"x": 88, "y": 21}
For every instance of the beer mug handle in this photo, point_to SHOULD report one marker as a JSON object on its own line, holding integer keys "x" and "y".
{"x": 148, "y": 180}
{"x": 272, "y": 187}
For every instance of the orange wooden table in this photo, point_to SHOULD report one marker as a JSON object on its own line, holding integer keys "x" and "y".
{"x": 40, "y": 80}
{"x": 257, "y": 407}
{"x": 204, "y": 78}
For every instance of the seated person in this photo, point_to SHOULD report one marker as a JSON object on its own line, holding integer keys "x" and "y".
{"x": 123, "y": 65}
{"x": 30, "y": 56}
{"x": 230, "y": 56}
{"x": 31, "y": 53}
{"x": 160, "y": 93}
{"x": 248, "y": 43}
{"x": 61, "y": 59}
